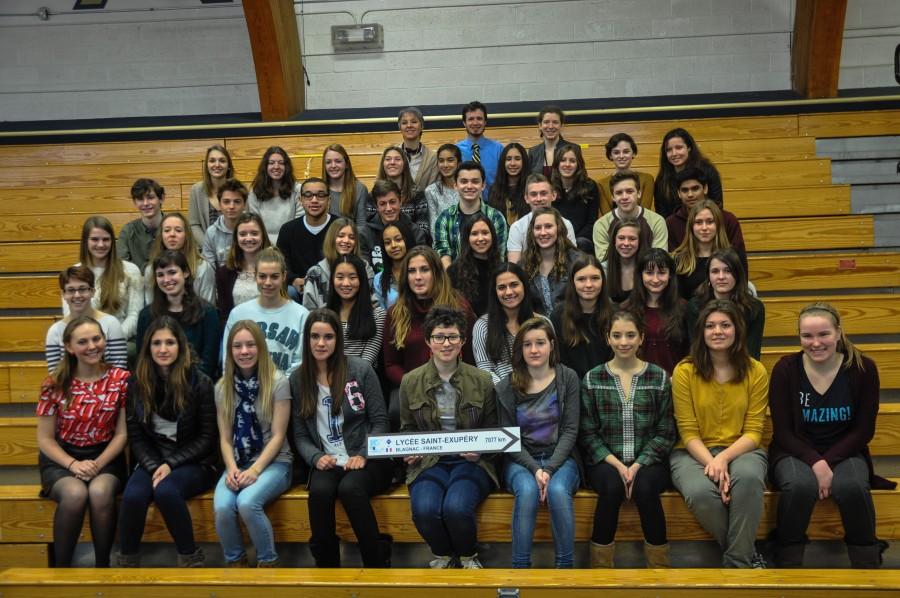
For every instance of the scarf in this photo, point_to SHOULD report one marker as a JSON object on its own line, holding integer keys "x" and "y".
{"x": 248, "y": 436}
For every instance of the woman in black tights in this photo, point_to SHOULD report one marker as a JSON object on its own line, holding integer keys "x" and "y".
{"x": 81, "y": 433}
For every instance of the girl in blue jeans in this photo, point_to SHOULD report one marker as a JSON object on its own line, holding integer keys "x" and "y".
{"x": 253, "y": 406}
{"x": 172, "y": 432}
{"x": 541, "y": 397}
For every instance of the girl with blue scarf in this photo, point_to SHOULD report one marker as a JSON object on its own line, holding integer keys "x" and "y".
{"x": 253, "y": 407}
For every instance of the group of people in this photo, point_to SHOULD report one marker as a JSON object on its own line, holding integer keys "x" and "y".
{"x": 476, "y": 286}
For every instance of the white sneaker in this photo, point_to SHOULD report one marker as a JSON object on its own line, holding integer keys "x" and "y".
{"x": 470, "y": 562}
{"x": 442, "y": 562}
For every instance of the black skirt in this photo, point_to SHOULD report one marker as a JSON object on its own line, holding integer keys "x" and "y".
{"x": 52, "y": 472}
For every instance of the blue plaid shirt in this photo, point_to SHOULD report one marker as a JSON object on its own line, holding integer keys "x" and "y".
{"x": 446, "y": 230}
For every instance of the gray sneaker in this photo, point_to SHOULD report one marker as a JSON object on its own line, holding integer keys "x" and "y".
{"x": 470, "y": 562}
{"x": 758, "y": 561}
{"x": 442, "y": 562}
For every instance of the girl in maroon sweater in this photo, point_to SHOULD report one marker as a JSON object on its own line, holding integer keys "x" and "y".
{"x": 425, "y": 284}
{"x": 824, "y": 400}
{"x": 656, "y": 302}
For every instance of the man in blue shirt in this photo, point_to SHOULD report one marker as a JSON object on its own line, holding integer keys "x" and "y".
{"x": 476, "y": 147}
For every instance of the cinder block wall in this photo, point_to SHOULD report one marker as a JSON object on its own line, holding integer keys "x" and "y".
{"x": 190, "y": 59}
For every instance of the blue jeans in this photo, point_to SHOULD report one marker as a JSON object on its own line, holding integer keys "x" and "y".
{"x": 560, "y": 491}
{"x": 250, "y": 503}
{"x": 443, "y": 500}
{"x": 170, "y": 496}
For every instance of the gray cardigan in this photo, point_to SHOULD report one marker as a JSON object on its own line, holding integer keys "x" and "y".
{"x": 363, "y": 408}
{"x": 568, "y": 389}
{"x": 198, "y": 212}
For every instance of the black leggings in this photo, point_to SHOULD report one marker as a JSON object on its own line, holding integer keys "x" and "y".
{"x": 354, "y": 489}
{"x": 73, "y": 497}
{"x": 649, "y": 483}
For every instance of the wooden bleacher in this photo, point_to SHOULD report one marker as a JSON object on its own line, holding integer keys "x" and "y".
{"x": 814, "y": 248}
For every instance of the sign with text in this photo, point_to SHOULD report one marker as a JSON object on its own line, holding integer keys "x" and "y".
{"x": 494, "y": 440}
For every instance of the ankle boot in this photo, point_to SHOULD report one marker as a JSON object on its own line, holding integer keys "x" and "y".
{"x": 657, "y": 555}
{"x": 865, "y": 557}
{"x": 128, "y": 560}
{"x": 195, "y": 559}
{"x": 602, "y": 555}
{"x": 789, "y": 556}
{"x": 241, "y": 563}
{"x": 326, "y": 554}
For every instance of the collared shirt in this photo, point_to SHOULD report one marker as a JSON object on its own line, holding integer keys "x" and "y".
{"x": 639, "y": 427}
{"x": 415, "y": 158}
{"x": 489, "y": 152}
{"x": 449, "y": 223}
{"x": 135, "y": 241}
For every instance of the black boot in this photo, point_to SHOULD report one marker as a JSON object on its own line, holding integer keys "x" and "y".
{"x": 386, "y": 543}
{"x": 789, "y": 556}
{"x": 326, "y": 554}
{"x": 865, "y": 557}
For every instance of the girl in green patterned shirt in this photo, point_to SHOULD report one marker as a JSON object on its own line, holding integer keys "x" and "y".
{"x": 627, "y": 431}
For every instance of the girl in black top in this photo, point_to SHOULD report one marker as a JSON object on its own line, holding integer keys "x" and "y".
{"x": 680, "y": 151}
{"x": 507, "y": 194}
{"x": 172, "y": 433}
{"x": 478, "y": 257}
{"x": 580, "y": 320}
{"x": 579, "y": 196}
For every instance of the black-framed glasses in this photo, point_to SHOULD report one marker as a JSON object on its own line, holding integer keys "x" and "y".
{"x": 78, "y": 290}
{"x": 320, "y": 194}
{"x": 440, "y": 339}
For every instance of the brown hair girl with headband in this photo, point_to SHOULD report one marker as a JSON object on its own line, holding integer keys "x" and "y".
{"x": 824, "y": 400}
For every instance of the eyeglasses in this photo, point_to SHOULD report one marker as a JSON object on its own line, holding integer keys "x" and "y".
{"x": 78, "y": 291}
{"x": 310, "y": 194}
{"x": 440, "y": 339}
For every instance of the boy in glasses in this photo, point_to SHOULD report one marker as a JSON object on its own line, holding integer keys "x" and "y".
{"x": 300, "y": 240}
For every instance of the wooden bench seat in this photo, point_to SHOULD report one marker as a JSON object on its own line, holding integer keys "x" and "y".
{"x": 18, "y": 436}
{"x": 832, "y": 270}
{"x": 414, "y": 583}
{"x": 27, "y": 518}
{"x": 804, "y": 234}
{"x": 52, "y": 227}
{"x": 110, "y": 152}
{"x": 38, "y": 256}
{"x": 860, "y": 314}
{"x": 850, "y": 124}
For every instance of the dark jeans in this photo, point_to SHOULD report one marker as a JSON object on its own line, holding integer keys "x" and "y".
{"x": 800, "y": 492}
{"x": 443, "y": 500}
{"x": 170, "y": 496}
{"x": 354, "y": 488}
{"x": 649, "y": 483}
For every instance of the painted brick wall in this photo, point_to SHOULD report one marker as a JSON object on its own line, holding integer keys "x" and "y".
{"x": 181, "y": 58}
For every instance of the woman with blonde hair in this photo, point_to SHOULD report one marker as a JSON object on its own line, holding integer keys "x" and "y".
{"x": 203, "y": 208}
{"x": 121, "y": 288}
{"x": 341, "y": 238}
{"x": 349, "y": 197}
{"x": 820, "y": 442}
{"x": 706, "y": 233}
{"x": 253, "y": 406}
{"x": 281, "y": 317}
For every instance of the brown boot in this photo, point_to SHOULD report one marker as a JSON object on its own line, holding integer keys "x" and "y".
{"x": 602, "y": 555}
{"x": 657, "y": 556}
{"x": 241, "y": 563}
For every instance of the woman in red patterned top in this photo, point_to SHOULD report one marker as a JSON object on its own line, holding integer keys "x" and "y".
{"x": 81, "y": 433}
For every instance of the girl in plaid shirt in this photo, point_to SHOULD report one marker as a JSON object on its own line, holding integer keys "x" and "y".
{"x": 627, "y": 431}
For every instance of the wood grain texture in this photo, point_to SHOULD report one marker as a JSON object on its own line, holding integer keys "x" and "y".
{"x": 18, "y": 292}
{"x": 275, "y": 44}
{"x": 20, "y": 334}
{"x": 109, "y": 152}
{"x": 66, "y": 200}
{"x": 24, "y": 517}
{"x": 37, "y": 257}
{"x": 802, "y": 234}
{"x": 20, "y": 381}
{"x": 837, "y": 124}
{"x": 24, "y": 555}
{"x": 789, "y": 202}
{"x": 860, "y": 314}
{"x": 450, "y": 583}
{"x": 825, "y": 271}
{"x": 18, "y": 441}
{"x": 168, "y": 174}
{"x": 52, "y": 227}
{"x": 816, "y": 47}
